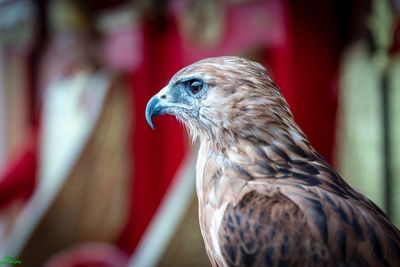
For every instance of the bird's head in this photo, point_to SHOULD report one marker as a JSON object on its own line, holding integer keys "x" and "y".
{"x": 221, "y": 96}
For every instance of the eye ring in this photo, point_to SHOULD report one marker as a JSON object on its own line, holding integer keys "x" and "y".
{"x": 195, "y": 86}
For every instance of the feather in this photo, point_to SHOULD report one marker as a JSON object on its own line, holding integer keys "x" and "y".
{"x": 266, "y": 196}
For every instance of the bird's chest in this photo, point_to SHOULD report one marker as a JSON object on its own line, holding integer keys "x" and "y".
{"x": 210, "y": 219}
{"x": 215, "y": 191}
{"x": 211, "y": 209}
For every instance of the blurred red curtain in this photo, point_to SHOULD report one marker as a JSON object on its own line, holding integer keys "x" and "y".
{"x": 157, "y": 154}
{"x": 305, "y": 69}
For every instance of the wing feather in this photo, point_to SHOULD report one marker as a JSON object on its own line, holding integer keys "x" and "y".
{"x": 265, "y": 229}
{"x": 268, "y": 230}
{"x": 302, "y": 213}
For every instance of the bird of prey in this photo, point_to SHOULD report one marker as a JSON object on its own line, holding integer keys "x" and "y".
{"x": 266, "y": 196}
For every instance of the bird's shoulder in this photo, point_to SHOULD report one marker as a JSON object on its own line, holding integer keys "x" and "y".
{"x": 298, "y": 225}
{"x": 297, "y": 167}
{"x": 266, "y": 228}
{"x": 294, "y": 202}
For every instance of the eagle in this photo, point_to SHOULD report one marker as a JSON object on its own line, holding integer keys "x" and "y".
{"x": 266, "y": 196}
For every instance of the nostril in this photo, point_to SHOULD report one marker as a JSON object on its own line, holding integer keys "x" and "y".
{"x": 163, "y": 97}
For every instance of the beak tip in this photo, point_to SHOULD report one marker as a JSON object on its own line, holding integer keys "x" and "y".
{"x": 151, "y": 125}
{"x": 149, "y": 119}
{"x": 150, "y": 111}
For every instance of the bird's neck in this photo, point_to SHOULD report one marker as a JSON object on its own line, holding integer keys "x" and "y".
{"x": 284, "y": 134}
{"x": 255, "y": 155}
{"x": 214, "y": 187}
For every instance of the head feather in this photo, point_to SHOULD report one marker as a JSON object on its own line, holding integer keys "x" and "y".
{"x": 242, "y": 101}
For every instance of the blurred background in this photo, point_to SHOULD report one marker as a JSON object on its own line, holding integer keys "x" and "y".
{"x": 84, "y": 181}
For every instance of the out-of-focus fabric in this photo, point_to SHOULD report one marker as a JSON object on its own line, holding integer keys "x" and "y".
{"x": 2, "y": 114}
{"x": 360, "y": 140}
{"x": 394, "y": 87}
{"x": 315, "y": 57}
{"x": 360, "y": 128}
{"x": 158, "y": 154}
{"x": 86, "y": 197}
{"x": 19, "y": 176}
{"x": 91, "y": 254}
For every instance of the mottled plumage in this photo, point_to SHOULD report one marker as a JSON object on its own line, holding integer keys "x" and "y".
{"x": 266, "y": 196}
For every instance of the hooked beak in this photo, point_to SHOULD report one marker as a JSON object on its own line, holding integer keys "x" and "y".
{"x": 157, "y": 105}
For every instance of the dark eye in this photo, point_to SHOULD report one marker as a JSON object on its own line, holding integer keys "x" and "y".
{"x": 195, "y": 86}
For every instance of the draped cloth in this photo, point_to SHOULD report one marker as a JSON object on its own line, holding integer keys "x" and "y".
{"x": 82, "y": 195}
{"x": 360, "y": 129}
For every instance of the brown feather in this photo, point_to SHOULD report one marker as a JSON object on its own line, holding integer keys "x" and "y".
{"x": 266, "y": 197}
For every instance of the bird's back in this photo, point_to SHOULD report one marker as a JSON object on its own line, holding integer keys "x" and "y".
{"x": 289, "y": 208}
